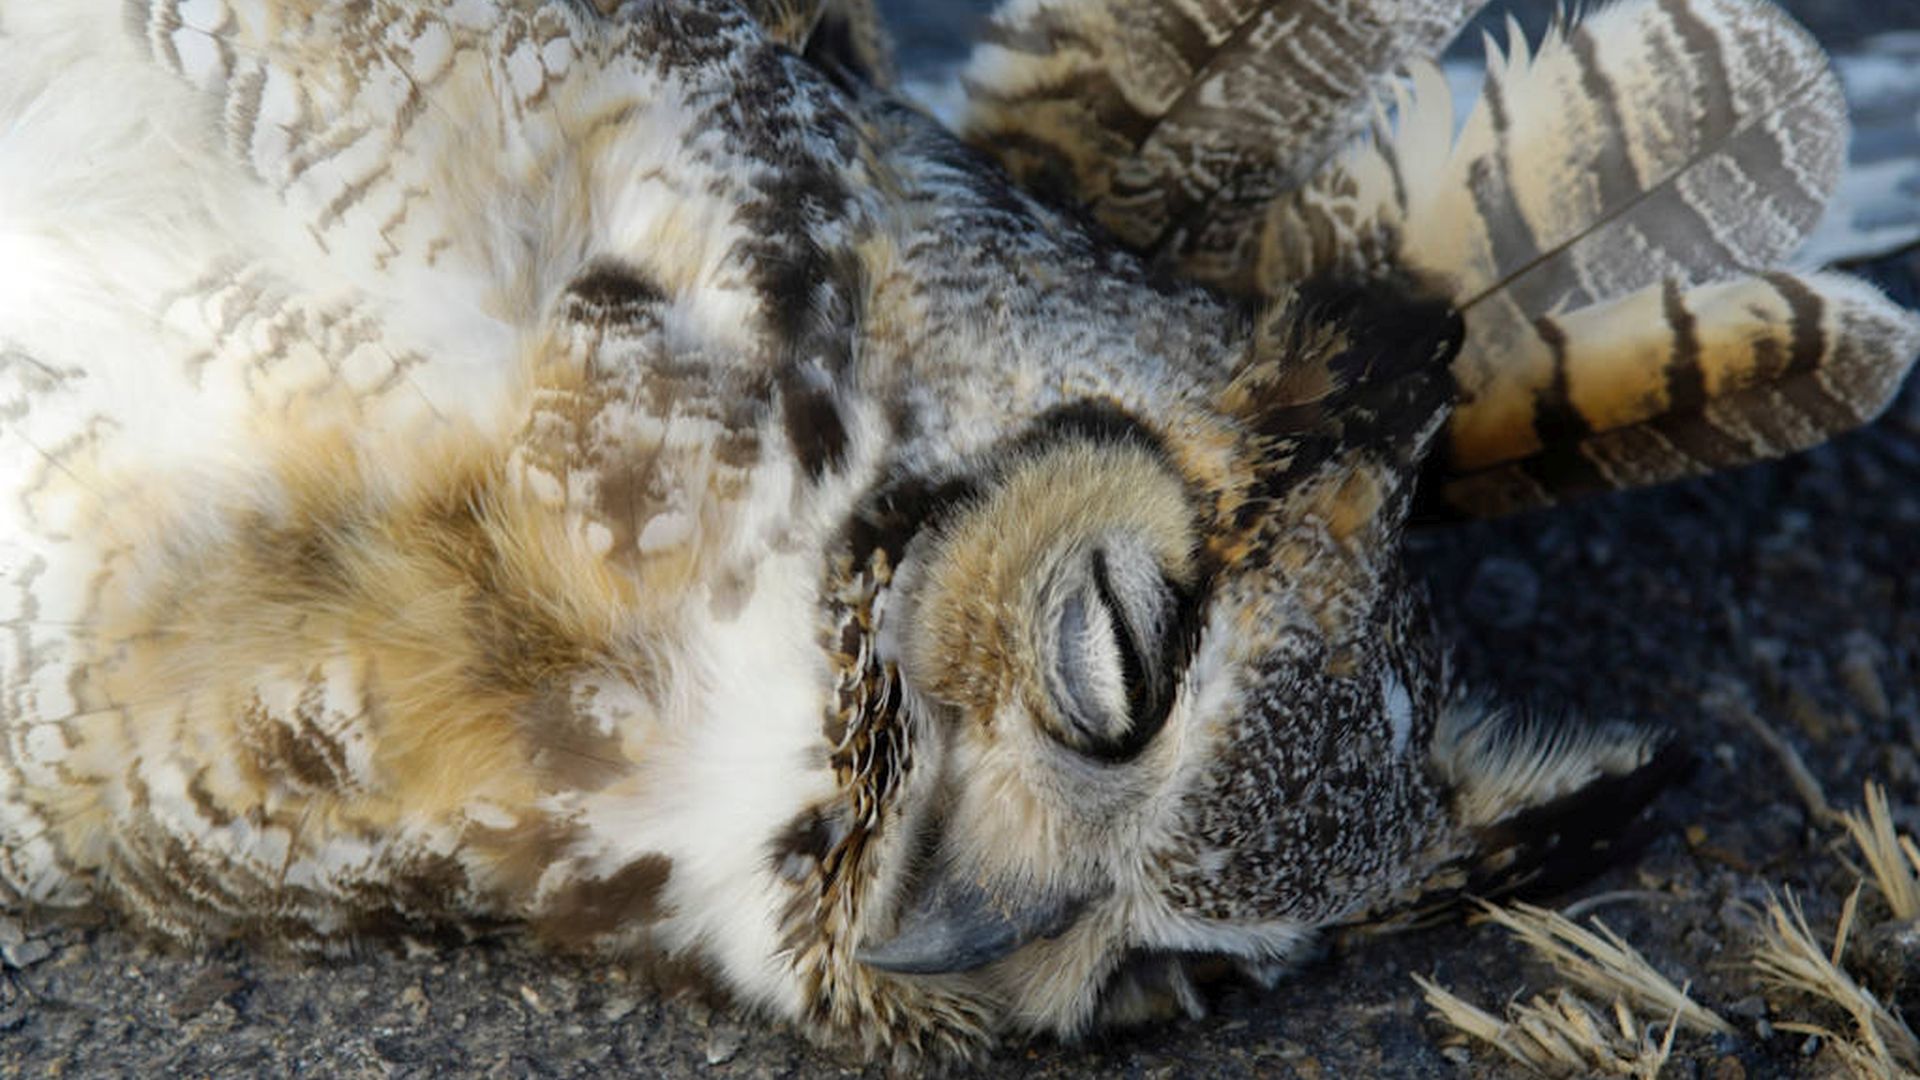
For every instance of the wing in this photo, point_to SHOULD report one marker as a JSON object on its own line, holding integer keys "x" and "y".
{"x": 1177, "y": 123}
{"x": 1669, "y": 382}
{"x": 1609, "y": 220}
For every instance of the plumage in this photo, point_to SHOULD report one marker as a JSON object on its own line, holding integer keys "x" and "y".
{"x": 1667, "y": 382}
{"x": 1176, "y": 122}
{"x": 614, "y": 470}
{"x": 1643, "y": 174}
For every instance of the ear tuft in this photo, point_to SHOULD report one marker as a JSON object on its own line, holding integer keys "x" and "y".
{"x": 1395, "y": 327}
{"x": 1363, "y": 363}
{"x": 1545, "y": 800}
{"x": 1500, "y": 765}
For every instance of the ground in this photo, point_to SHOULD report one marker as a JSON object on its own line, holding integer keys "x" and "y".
{"x": 1789, "y": 590}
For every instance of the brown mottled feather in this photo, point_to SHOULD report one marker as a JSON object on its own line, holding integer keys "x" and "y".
{"x": 1177, "y": 122}
{"x": 607, "y": 469}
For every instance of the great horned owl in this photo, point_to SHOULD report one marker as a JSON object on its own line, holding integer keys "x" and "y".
{"x": 618, "y": 469}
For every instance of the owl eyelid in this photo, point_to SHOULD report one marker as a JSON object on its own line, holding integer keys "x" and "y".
{"x": 1090, "y": 722}
{"x": 1126, "y": 638}
{"x": 1141, "y": 628}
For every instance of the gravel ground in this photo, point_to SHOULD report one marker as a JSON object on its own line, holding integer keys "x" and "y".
{"x": 1791, "y": 589}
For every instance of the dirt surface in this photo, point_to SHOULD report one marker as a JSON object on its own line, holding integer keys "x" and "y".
{"x": 1792, "y": 588}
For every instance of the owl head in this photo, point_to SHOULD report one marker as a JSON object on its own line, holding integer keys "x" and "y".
{"x": 1170, "y": 695}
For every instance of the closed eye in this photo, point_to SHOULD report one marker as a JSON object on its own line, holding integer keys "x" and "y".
{"x": 1090, "y": 671}
{"x": 1126, "y": 639}
{"x": 1111, "y": 647}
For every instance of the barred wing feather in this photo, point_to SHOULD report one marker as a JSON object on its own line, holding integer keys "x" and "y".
{"x": 1177, "y": 122}
{"x": 1599, "y": 183}
{"x": 1669, "y": 382}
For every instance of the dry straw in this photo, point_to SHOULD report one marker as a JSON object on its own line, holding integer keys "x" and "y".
{"x": 1563, "y": 1032}
{"x": 1892, "y": 859}
{"x": 1881, "y": 1046}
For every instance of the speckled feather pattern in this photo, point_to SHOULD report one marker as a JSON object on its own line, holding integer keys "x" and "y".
{"x": 613, "y": 469}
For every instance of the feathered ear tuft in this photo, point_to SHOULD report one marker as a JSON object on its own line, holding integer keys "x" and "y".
{"x": 1350, "y": 366}
{"x": 843, "y": 37}
{"x": 1541, "y": 802}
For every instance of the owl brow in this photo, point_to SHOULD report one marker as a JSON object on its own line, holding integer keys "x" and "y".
{"x": 1091, "y": 421}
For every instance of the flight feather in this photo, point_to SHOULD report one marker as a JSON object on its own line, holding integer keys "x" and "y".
{"x": 1602, "y": 180}
{"x": 1177, "y": 122}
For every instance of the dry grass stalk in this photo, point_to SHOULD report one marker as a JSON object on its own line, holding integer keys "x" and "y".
{"x": 1893, "y": 859}
{"x": 1560, "y": 1036}
{"x": 1600, "y": 961}
{"x": 1805, "y": 784}
{"x": 1790, "y": 958}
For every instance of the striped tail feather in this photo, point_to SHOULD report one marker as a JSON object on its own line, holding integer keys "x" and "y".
{"x": 1669, "y": 382}
{"x": 1177, "y": 122}
{"x": 1599, "y": 187}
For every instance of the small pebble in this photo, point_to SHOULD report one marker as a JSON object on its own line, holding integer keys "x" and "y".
{"x": 203, "y": 992}
{"x": 1702, "y": 943}
{"x": 214, "y": 1019}
{"x": 414, "y": 1001}
{"x": 26, "y": 954}
{"x": 12, "y": 1017}
{"x": 723, "y": 1042}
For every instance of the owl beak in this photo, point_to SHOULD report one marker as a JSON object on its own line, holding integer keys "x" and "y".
{"x": 956, "y": 925}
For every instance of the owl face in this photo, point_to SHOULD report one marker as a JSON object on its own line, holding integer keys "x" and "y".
{"x": 1171, "y": 693}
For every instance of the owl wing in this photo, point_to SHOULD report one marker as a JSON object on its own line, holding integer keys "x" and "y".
{"x": 1177, "y": 123}
{"x": 1612, "y": 220}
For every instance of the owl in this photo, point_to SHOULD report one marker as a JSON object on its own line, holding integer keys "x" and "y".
{"x": 621, "y": 471}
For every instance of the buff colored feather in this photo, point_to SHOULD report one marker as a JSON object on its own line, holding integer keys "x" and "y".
{"x": 1607, "y": 220}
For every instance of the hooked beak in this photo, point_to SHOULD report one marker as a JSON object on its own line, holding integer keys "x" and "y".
{"x": 955, "y": 925}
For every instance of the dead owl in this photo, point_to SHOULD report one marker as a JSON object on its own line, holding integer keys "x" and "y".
{"x": 619, "y": 470}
